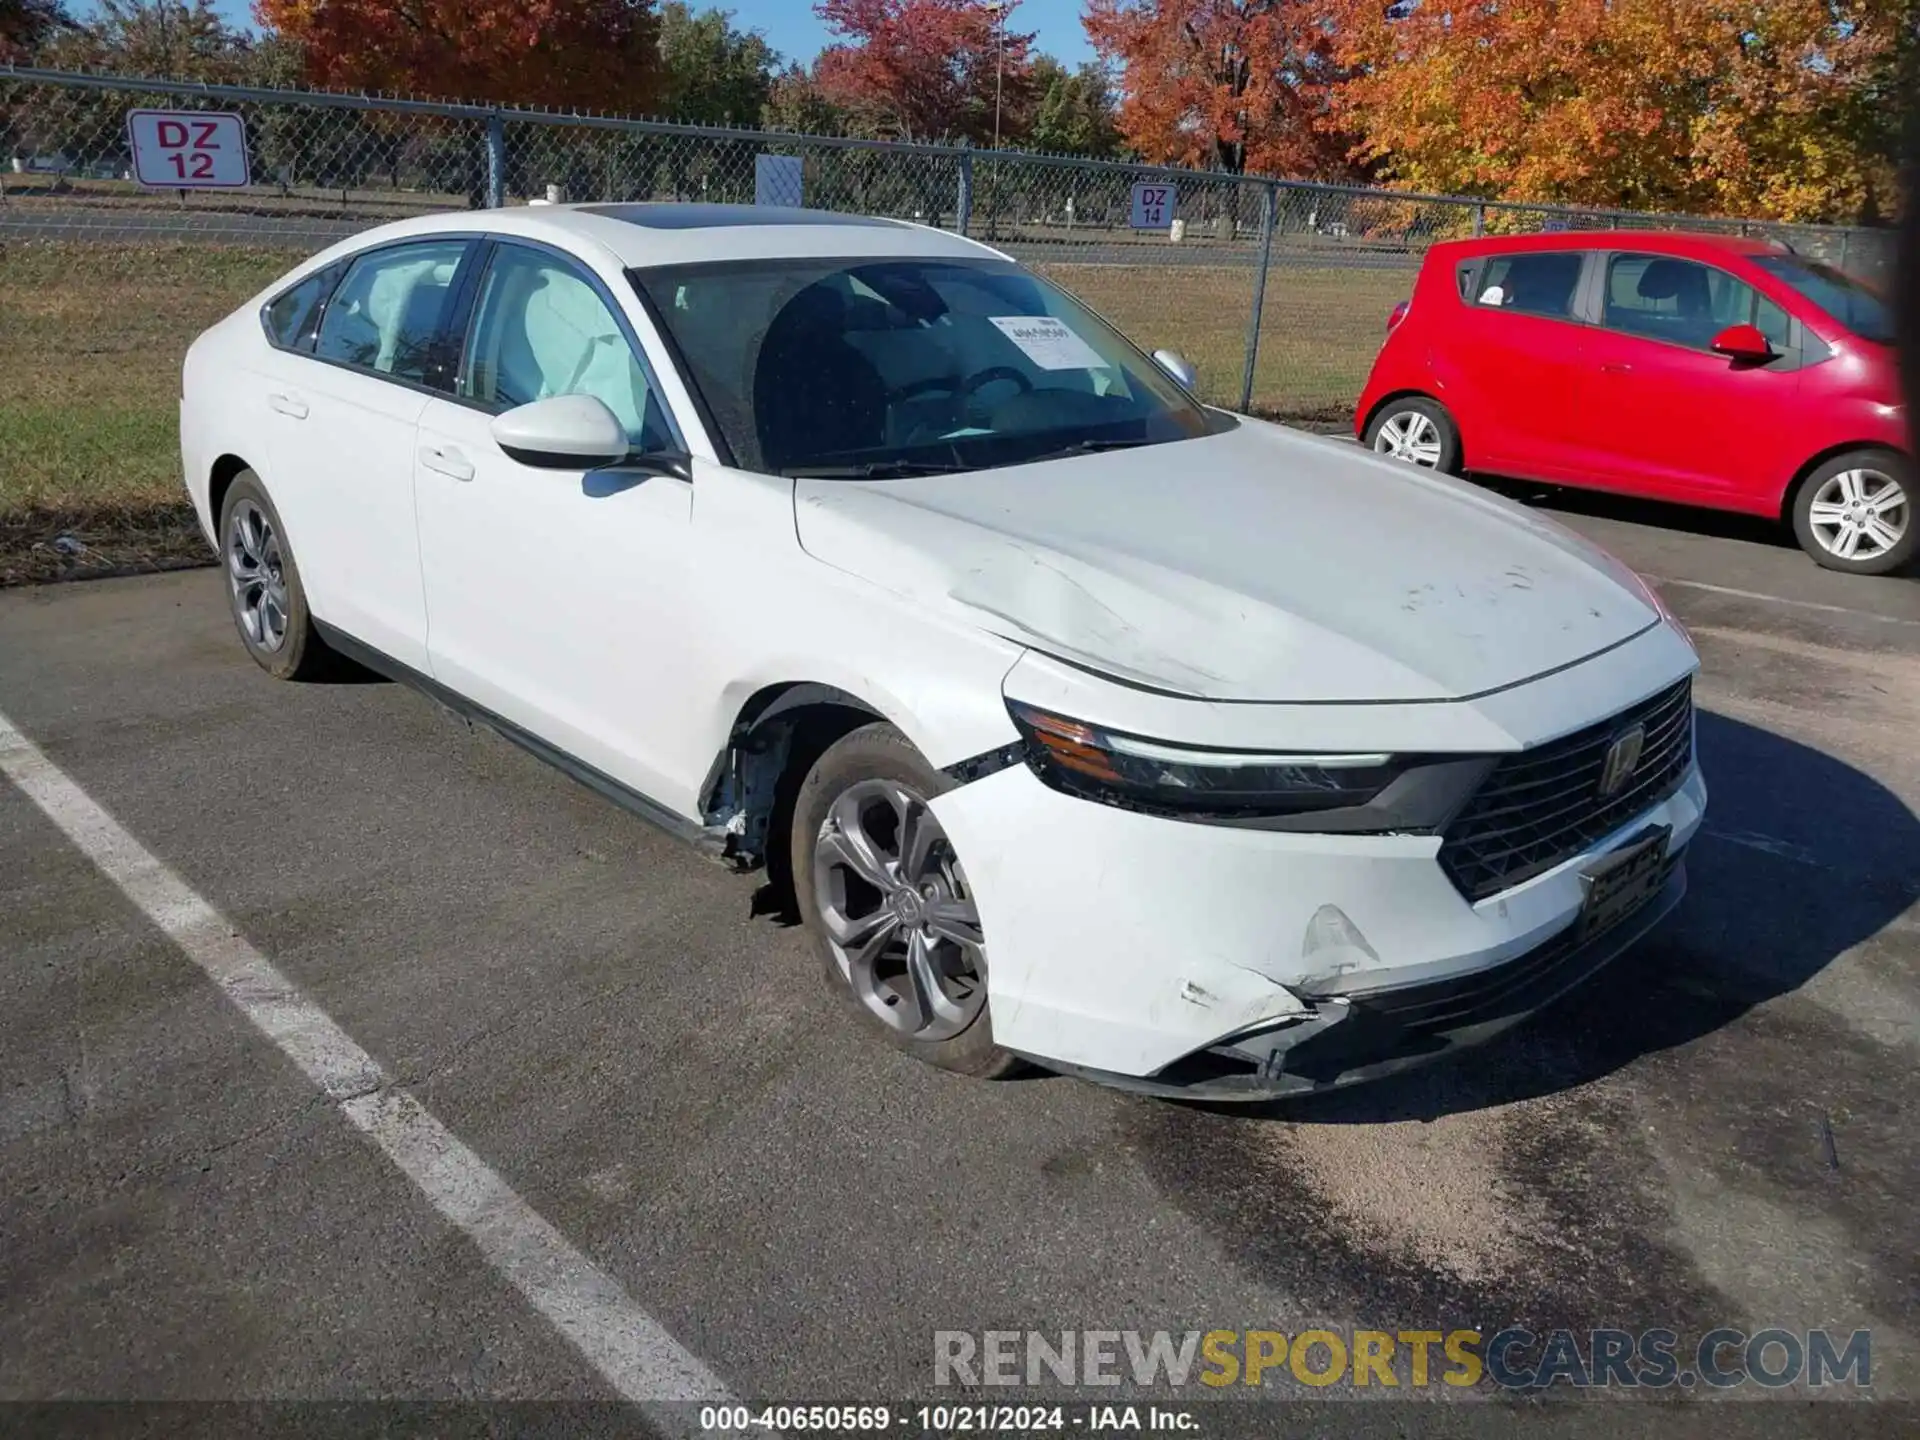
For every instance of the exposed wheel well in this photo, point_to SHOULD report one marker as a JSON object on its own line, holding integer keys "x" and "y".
{"x": 224, "y": 471}
{"x": 1792, "y": 492}
{"x": 779, "y": 734}
{"x": 1409, "y": 393}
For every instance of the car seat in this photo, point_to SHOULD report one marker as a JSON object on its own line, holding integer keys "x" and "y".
{"x": 814, "y": 395}
{"x": 1685, "y": 284}
{"x": 403, "y": 301}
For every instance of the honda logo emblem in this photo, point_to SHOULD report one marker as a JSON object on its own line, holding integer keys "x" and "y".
{"x": 1623, "y": 758}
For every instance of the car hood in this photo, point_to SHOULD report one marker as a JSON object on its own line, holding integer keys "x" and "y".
{"x": 1256, "y": 564}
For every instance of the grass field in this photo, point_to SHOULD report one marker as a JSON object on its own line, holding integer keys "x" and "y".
{"x": 1319, "y": 327}
{"x": 92, "y": 335}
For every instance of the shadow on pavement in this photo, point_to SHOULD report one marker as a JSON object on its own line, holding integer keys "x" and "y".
{"x": 1801, "y": 858}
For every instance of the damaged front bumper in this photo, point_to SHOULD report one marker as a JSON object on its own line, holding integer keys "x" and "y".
{"x": 1225, "y": 963}
{"x": 1367, "y": 1034}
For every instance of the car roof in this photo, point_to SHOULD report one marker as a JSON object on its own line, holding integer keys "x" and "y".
{"x": 645, "y": 234}
{"x": 1660, "y": 242}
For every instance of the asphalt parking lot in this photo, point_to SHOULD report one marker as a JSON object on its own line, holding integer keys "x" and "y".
{"x": 1719, "y": 1130}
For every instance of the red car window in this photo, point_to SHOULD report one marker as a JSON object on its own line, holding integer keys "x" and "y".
{"x": 1662, "y": 297}
{"x": 1531, "y": 284}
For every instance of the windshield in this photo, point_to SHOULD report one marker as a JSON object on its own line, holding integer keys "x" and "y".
{"x": 871, "y": 368}
{"x": 1850, "y": 303}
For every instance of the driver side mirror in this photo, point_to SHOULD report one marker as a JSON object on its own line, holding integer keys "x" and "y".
{"x": 577, "y": 432}
{"x": 1176, "y": 366}
{"x": 1742, "y": 342}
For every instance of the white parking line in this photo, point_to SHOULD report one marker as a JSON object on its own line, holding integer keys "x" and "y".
{"x": 626, "y": 1345}
{"x": 1781, "y": 600}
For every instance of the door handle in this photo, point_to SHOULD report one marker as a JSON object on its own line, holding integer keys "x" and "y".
{"x": 447, "y": 461}
{"x": 289, "y": 405}
{"x": 1615, "y": 368}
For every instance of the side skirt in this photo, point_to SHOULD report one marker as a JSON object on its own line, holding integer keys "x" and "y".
{"x": 598, "y": 781}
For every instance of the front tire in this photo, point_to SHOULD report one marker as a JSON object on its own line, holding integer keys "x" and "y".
{"x": 1855, "y": 513}
{"x": 1418, "y": 431}
{"x": 264, "y": 592}
{"x": 881, "y": 887}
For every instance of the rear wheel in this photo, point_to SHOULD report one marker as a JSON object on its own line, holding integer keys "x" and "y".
{"x": 1855, "y": 513}
{"x": 881, "y": 886}
{"x": 1417, "y": 430}
{"x": 269, "y": 603}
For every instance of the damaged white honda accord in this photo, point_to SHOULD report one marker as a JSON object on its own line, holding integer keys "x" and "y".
{"x": 1087, "y": 724}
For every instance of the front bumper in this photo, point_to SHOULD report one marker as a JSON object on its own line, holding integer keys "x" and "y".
{"x": 1349, "y": 1039}
{"x": 1210, "y": 961}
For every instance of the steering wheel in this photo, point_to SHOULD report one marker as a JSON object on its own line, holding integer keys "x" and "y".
{"x": 962, "y": 389}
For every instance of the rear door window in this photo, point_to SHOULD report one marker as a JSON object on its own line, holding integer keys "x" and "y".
{"x": 387, "y": 316}
{"x": 1534, "y": 283}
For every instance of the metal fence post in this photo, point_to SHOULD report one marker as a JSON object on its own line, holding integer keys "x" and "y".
{"x": 496, "y": 162}
{"x": 1845, "y": 236}
{"x": 963, "y": 203}
{"x": 1479, "y": 220}
{"x": 1269, "y": 214}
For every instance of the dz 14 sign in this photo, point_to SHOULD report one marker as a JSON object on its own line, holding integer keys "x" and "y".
{"x": 1153, "y": 206}
{"x": 188, "y": 149}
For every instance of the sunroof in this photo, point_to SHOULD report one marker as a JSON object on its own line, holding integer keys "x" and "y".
{"x": 704, "y": 217}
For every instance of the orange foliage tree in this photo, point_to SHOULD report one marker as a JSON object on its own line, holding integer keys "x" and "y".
{"x": 1766, "y": 107}
{"x": 565, "y": 54}
{"x": 926, "y": 69}
{"x": 1236, "y": 85}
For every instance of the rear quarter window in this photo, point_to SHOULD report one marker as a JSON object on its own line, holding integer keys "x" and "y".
{"x": 292, "y": 316}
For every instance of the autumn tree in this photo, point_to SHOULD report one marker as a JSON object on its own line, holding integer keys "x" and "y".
{"x": 167, "y": 39}
{"x": 927, "y": 69}
{"x": 711, "y": 73}
{"x": 1765, "y": 107}
{"x": 25, "y": 25}
{"x": 1236, "y": 85}
{"x": 1802, "y": 123}
{"x": 1073, "y": 114}
{"x": 797, "y": 105}
{"x": 567, "y": 54}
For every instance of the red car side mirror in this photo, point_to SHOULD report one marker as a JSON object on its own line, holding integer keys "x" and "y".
{"x": 1743, "y": 342}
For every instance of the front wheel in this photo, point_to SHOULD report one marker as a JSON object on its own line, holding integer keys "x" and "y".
{"x": 1418, "y": 431}
{"x": 881, "y": 886}
{"x": 1855, "y": 513}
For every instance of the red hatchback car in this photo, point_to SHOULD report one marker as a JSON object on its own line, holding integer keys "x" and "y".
{"x": 1720, "y": 372}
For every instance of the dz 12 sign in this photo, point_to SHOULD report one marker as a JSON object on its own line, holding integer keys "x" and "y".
{"x": 188, "y": 149}
{"x": 1153, "y": 206}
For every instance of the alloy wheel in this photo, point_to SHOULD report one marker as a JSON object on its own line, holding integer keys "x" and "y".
{"x": 1410, "y": 435}
{"x": 1859, "y": 514}
{"x": 256, "y": 571}
{"x": 897, "y": 913}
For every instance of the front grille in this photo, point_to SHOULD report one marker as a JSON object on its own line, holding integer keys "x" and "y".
{"x": 1543, "y": 805}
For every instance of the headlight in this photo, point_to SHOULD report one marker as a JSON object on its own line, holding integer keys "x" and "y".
{"x": 1187, "y": 780}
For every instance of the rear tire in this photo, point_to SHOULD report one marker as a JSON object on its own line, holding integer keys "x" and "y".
{"x": 880, "y": 886}
{"x": 1418, "y": 431}
{"x": 1855, "y": 513}
{"x": 264, "y": 593}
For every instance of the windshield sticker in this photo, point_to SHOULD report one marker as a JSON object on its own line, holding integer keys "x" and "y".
{"x": 1048, "y": 342}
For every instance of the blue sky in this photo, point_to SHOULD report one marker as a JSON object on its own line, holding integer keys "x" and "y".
{"x": 795, "y": 31}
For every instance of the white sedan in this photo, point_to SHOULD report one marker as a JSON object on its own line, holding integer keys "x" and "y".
{"x": 1087, "y": 724}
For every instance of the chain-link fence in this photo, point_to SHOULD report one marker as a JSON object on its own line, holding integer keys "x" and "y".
{"x": 1277, "y": 291}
